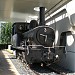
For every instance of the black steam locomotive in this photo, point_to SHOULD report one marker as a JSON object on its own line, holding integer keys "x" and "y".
{"x": 34, "y": 42}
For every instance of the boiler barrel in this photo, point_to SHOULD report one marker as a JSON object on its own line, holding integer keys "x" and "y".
{"x": 42, "y": 35}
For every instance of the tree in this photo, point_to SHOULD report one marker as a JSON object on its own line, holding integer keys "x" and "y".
{"x": 6, "y": 30}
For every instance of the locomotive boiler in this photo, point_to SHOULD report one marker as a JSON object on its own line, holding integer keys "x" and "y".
{"x": 34, "y": 42}
{"x": 38, "y": 42}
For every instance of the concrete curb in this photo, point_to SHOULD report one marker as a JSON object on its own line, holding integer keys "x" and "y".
{"x": 10, "y": 51}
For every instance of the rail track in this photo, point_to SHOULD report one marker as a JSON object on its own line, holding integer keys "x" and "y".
{"x": 38, "y": 69}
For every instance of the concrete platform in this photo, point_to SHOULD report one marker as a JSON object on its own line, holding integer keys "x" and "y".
{"x": 6, "y": 66}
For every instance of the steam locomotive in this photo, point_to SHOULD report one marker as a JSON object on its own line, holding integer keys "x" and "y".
{"x": 35, "y": 43}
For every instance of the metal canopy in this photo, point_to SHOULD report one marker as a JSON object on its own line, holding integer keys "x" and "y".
{"x": 20, "y": 10}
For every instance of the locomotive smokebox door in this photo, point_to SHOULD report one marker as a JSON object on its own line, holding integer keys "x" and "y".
{"x": 45, "y": 36}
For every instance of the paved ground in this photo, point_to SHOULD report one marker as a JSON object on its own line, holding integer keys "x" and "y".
{"x": 6, "y": 66}
{"x": 11, "y": 66}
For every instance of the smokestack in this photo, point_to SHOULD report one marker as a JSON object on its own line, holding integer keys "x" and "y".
{"x": 42, "y": 16}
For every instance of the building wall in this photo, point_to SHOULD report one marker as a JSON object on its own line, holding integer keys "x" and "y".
{"x": 68, "y": 60}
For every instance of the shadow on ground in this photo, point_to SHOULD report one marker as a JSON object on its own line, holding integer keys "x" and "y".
{"x": 5, "y": 68}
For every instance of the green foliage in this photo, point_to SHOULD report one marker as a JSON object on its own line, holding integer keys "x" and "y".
{"x": 6, "y": 30}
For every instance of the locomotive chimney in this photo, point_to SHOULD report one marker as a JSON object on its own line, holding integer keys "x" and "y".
{"x": 42, "y": 16}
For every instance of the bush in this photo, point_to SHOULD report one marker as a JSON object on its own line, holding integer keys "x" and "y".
{"x": 6, "y": 30}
